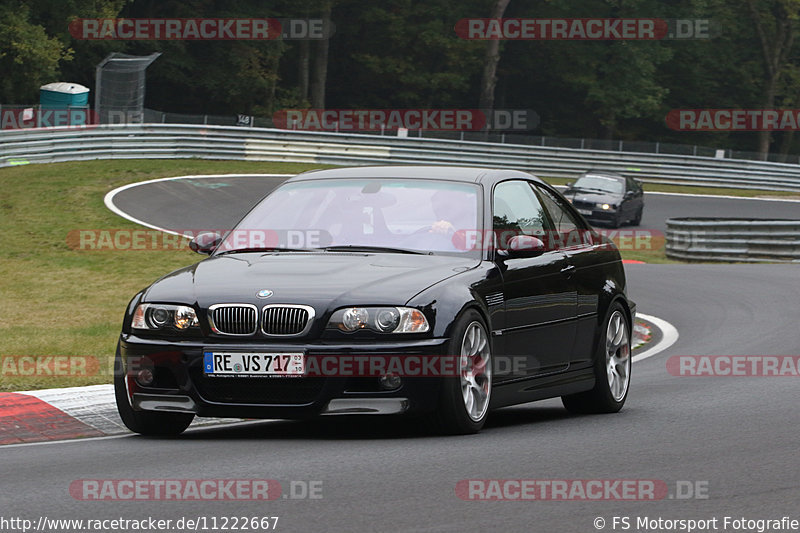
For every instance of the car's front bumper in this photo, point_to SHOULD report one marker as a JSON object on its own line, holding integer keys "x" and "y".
{"x": 181, "y": 385}
{"x": 599, "y": 215}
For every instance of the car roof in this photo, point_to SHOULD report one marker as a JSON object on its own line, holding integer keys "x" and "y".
{"x": 465, "y": 174}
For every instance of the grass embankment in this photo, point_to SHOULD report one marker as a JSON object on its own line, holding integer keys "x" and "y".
{"x": 59, "y": 301}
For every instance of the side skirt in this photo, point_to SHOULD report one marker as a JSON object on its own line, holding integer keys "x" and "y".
{"x": 540, "y": 388}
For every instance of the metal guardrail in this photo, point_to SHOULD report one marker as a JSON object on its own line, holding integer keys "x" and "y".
{"x": 733, "y": 240}
{"x": 169, "y": 141}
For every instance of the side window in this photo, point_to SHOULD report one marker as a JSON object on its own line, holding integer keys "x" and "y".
{"x": 562, "y": 219}
{"x": 516, "y": 210}
{"x": 569, "y": 230}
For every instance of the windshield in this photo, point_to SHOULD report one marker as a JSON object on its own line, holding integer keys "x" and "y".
{"x": 393, "y": 214}
{"x": 600, "y": 183}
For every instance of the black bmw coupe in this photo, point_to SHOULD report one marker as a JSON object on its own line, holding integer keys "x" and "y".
{"x": 607, "y": 198}
{"x": 437, "y": 292}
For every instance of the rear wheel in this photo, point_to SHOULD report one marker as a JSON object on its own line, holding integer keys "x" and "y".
{"x": 464, "y": 400}
{"x": 612, "y": 368}
{"x": 145, "y": 422}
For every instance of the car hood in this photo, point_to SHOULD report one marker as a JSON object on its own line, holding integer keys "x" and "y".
{"x": 322, "y": 280}
{"x": 592, "y": 196}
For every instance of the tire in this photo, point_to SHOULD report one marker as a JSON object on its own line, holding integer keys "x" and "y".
{"x": 464, "y": 400}
{"x": 145, "y": 422}
{"x": 617, "y": 221}
{"x": 606, "y": 397}
{"x": 638, "y": 218}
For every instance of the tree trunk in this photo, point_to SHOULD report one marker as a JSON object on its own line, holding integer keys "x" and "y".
{"x": 319, "y": 72}
{"x": 764, "y": 137}
{"x": 303, "y": 65}
{"x": 490, "y": 61}
{"x": 786, "y": 144}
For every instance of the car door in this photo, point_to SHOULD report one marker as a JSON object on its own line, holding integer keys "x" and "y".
{"x": 539, "y": 298}
{"x": 637, "y": 195}
{"x": 584, "y": 256}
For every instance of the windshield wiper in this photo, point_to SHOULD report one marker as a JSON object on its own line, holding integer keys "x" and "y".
{"x": 592, "y": 189}
{"x": 266, "y": 249}
{"x": 364, "y": 248}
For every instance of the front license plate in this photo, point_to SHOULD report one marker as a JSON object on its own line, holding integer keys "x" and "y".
{"x": 585, "y": 211}
{"x": 283, "y": 364}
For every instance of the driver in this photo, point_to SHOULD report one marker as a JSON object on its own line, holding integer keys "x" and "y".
{"x": 451, "y": 208}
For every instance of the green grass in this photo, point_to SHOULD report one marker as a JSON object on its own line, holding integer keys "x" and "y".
{"x": 60, "y": 301}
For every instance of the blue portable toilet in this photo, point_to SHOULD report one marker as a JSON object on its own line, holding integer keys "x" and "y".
{"x": 64, "y": 104}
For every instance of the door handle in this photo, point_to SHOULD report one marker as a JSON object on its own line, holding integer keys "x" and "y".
{"x": 568, "y": 270}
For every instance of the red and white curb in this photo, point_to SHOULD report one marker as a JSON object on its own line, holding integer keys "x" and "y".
{"x": 90, "y": 412}
{"x": 69, "y": 413}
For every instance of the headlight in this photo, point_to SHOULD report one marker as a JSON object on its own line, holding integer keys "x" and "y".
{"x": 158, "y": 316}
{"x": 379, "y": 319}
{"x": 605, "y": 207}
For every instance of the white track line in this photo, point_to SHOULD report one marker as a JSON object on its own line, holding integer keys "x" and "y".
{"x": 669, "y": 335}
{"x": 109, "y": 198}
{"x": 727, "y": 197}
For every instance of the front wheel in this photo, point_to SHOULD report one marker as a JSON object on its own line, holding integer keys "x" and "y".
{"x": 464, "y": 400}
{"x": 612, "y": 369}
{"x": 638, "y": 218}
{"x": 145, "y": 422}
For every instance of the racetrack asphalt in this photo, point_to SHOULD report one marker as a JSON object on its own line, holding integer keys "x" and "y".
{"x": 218, "y": 203}
{"x": 738, "y": 435}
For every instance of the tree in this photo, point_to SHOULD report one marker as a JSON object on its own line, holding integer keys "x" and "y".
{"x": 319, "y": 72}
{"x": 28, "y": 56}
{"x": 775, "y": 22}
{"x": 490, "y": 61}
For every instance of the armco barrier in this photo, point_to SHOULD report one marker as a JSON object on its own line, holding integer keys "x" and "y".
{"x": 169, "y": 141}
{"x": 733, "y": 239}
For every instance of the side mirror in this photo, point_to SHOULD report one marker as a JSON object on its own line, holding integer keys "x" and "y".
{"x": 524, "y": 246}
{"x": 569, "y": 184}
{"x": 205, "y": 242}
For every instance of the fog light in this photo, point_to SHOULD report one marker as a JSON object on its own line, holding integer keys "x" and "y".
{"x": 390, "y": 382}
{"x": 145, "y": 377}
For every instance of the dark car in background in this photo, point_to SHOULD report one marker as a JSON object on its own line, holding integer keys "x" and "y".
{"x": 490, "y": 268}
{"x": 607, "y": 198}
